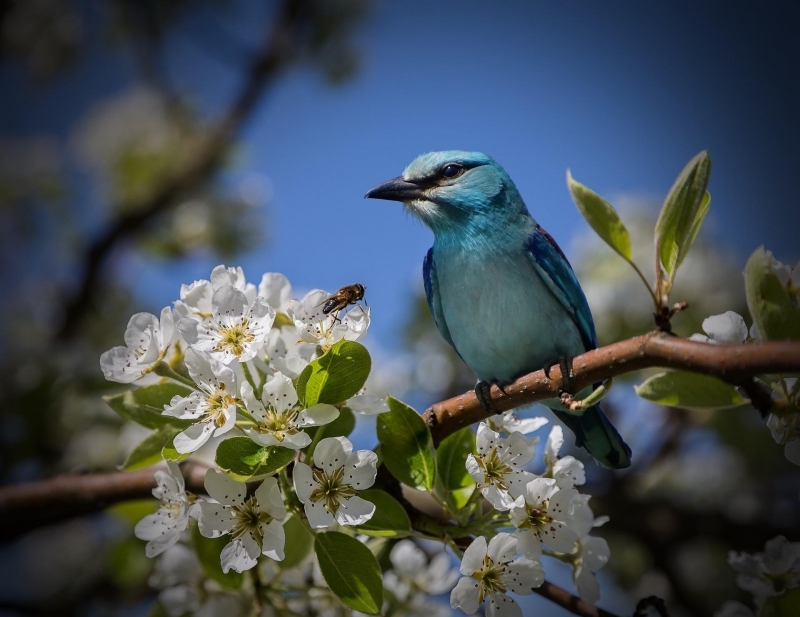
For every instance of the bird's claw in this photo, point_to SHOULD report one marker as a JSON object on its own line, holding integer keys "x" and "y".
{"x": 484, "y": 395}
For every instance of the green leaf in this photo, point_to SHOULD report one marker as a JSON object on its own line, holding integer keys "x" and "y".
{"x": 169, "y": 453}
{"x": 682, "y": 213}
{"x": 390, "y": 519}
{"x": 783, "y": 605}
{"x": 298, "y": 542}
{"x": 340, "y": 427}
{"x": 149, "y": 451}
{"x": 246, "y": 460}
{"x": 601, "y": 217}
{"x": 208, "y": 551}
{"x": 351, "y": 571}
{"x": 451, "y": 459}
{"x": 336, "y": 376}
{"x": 406, "y": 445}
{"x": 690, "y": 391}
{"x": 705, "y": 206}
{"x": 145, "y": 405}
{"x": 773, "y": 311}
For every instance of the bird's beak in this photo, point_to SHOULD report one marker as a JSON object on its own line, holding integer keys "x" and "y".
{"x": 396, "y": 189}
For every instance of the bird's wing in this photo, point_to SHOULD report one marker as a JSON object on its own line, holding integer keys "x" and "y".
{"x": 432, "y": 293}
{"x": 553, "y": 267}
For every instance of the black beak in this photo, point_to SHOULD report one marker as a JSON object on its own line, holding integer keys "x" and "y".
{"x": 396, "y": 189}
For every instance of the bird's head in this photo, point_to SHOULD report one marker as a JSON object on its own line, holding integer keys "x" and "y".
{"x": 456, "y": 191}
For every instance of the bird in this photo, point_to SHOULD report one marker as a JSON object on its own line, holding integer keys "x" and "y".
{"x": 500, "y": 289}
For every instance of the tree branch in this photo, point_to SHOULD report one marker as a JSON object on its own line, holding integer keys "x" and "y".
{"x": 24, "y": 507}
{"x": 276, "y": 54}
{"x": 735, "y": 364}
{"x": 573, "y": 604}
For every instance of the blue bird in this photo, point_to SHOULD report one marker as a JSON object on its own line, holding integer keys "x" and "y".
{"x": 499, "y": 288}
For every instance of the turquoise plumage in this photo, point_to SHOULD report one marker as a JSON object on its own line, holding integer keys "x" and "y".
{"x": 499, "y": 288}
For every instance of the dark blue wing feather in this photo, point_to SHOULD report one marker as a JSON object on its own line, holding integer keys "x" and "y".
{"x": 432, "y": 293}
{"x": 553, "y": 267}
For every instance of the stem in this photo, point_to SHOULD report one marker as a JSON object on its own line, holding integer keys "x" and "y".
{"x": 249, "y": 377}
{"x": 163, "y": 369}
{"x": 652, "y": 293}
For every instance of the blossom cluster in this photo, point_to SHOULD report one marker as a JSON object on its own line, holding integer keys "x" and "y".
{"x": 238, "y": 347}
{"x": 548, "y": 513}
{"x": 766, "y": 575}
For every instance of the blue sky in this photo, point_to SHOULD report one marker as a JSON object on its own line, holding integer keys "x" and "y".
{"x": 623, "y": 93}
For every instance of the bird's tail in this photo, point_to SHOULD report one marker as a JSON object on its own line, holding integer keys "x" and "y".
{"x": 595, "y": 433}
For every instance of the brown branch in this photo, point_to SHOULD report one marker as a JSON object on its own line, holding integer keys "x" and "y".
{"x": 276, "y": 54}
{"x": 573, "y": 604}
{"x": 736, "y": 364}
{"x": 24, "y": 507}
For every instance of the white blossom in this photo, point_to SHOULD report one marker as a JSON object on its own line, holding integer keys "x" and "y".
{"x": 276, "y": 290}
{"x": 726, "y": 328}
{"x": 253, "y": 523}
{"x": 367, "y": 404}
{"x": 567, "y": 471}
{"x": 329, "y": 492}
{"x": 490, "y": 572}
{"x": 236, "y": 329}
{"x": 313, "y": 326}
{"x": 541, "y": 514}
{"x": 280, "y": 417}
{"x": 508, "y": 422}
{"x": 497, "y": 469}
{"x": 196, "y": 299}
{"x": 147, "y": 340}
{"x": 592, "y": 552}
{"x": 163, "y": 528}
{"x": 410, "y": 563}
{"x": 285, "y": 353}
{"x": 177, "y": 574}
{"x": 769, "y": 573}
{"x": 213, "y": 405}
{"x": 186, "y": 590}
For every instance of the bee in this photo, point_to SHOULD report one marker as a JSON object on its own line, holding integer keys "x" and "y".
{"x": 347, "y": 295}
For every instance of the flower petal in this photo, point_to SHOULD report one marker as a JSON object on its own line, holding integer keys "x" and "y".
{"x": 270, "y": 499}
{"x": 502, "y": 548}
{"x": 473, "y": 556}
{"x": 528, "y": 544}
{"x": 304, "y": 483}
{"x": 331, "y": 453}
{"x": 317, "y": 415}
{"x": 500, "y": 605}
{"x": 240, "y": 554}
{"x": 360, "y": 470}
{"x": 214, "y": 520}
{"x": 193, "y": 437}
{"x": 354, "y": 511}
{"x": 224, "y": 489}
{"x": 368, "y": 404}
{"x": 274, "y": 540}
{"x": 318, "y": 515}
{"x": 279, "y": 393}
{"x": 465, "y": 596}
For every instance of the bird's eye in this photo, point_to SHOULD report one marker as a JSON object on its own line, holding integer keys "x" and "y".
{"x": 451, "y": 170}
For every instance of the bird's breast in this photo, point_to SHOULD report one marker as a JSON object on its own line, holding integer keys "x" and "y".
{"x": 503, "y": 320}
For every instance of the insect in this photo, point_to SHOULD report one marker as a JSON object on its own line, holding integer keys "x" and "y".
{"x": 347, "y": 295}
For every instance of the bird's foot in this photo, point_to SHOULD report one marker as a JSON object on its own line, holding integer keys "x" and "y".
{"x": 577, "y": 406}
{"x": 484, "y": 394}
